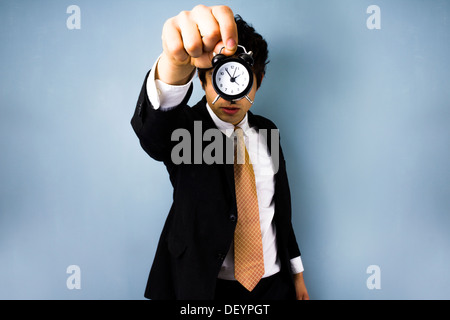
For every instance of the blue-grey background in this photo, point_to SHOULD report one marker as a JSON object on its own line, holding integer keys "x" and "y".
{"x": 365, "y": 126}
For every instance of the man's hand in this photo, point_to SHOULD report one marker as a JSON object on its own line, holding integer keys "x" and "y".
{"x": 190, "y": 38}
{"x": 300, "y": 287}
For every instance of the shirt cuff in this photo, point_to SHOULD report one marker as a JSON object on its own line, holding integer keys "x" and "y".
{"x": 162, "y": 95}
{"x": 297, "y": 265}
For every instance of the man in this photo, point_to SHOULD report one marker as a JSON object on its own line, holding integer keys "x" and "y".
{"x": 207, "y": 250}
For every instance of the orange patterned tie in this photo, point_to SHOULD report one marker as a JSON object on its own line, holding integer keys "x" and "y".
{"x": 248, "y": 251}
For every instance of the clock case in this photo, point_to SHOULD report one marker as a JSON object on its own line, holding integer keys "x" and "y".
{"x": 246, "y": 60}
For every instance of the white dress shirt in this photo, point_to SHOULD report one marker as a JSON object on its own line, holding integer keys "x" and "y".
{"x": 165, "y": 96}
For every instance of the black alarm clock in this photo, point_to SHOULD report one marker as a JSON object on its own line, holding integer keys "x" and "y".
{"x": 232, "y": 77}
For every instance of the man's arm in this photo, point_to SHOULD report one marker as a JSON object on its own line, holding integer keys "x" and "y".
{"x": 189, "y": 41}
{"x": 191, "y": 38}
{"x": 164, "y": 96}
{"x": 154, "y": 126}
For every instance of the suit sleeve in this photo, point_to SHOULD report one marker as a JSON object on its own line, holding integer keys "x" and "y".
{"x": 292, "y": 245}
{"x": 294, "y": 252}
{"x": 163, "y": 95}
{"x": 154, "y": 127}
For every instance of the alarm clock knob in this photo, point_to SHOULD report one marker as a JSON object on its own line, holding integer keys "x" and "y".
{"x": 217, "y": 58}
{"x": 247, "y": 58}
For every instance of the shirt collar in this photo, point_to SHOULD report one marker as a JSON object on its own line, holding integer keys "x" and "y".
{"x": 226, "y": 127}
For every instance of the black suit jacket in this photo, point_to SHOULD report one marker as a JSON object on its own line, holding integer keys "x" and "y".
{"x": 200, "y": 226}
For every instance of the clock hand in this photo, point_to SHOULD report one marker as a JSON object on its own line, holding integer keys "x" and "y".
{"x": 228, "y": 73}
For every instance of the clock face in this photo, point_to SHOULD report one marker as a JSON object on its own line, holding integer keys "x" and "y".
{"x": 232, "y": 79}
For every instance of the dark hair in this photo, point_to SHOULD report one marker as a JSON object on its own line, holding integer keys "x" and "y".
{"x": 252, "y": 41}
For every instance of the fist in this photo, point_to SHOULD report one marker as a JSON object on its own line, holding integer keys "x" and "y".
{"x": 190, "y": 38}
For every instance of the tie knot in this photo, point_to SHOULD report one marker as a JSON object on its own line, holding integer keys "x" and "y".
{"x": 239, "y": 133}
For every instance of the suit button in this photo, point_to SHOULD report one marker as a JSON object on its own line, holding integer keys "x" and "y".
{"x": 233, "y": 218}
{"x": 221, "y": 256}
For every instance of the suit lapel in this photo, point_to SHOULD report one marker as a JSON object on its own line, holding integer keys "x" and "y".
{"x": 259, "y": 125}
{"x": 208, "y": 123}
